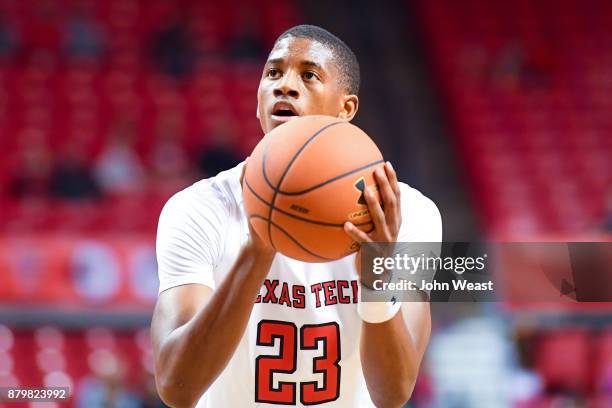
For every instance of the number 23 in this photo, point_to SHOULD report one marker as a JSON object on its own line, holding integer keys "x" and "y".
{"x": 286, "y": 361}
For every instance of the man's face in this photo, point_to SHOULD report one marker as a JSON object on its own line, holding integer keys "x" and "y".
{"x": 300, "y": 78}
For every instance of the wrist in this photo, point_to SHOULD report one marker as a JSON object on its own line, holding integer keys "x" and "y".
{"x": 377, "y": 312}
{"x": 376, "y": 306}
{"x": 254, "y": 264}
{"x": 259, "y": 252}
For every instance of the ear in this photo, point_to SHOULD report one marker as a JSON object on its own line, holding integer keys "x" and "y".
{"x": 257, "y": 111}
{"x": 350, "y": 104}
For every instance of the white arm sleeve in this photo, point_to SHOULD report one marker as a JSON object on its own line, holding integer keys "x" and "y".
{"x": 189, "y": 237}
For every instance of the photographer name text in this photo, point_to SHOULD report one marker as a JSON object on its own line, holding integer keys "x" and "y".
{"x": 425, "y": 285}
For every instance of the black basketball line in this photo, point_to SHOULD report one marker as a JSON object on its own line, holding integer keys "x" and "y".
{"x": 270, "y": 222}
{"x": 295, "y": 156}
{"x": 331, "y": 180}
{"x": 297, "y": 217}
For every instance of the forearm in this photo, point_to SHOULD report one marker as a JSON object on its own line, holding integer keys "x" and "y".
{"x": 390, "y": 361}
{"x": 194, "y": 354}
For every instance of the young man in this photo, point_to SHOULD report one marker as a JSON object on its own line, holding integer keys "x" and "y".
{"x": 238, "y": 325}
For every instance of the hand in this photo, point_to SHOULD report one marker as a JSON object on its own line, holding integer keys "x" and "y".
{"x": 255, "y": 243}
{"x": 386, "y": 223}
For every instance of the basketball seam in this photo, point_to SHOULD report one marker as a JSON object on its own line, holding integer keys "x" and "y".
{"x": 285, "y": 172}
{"x": 270, "y": 222}
{"x": 327, "y": 224}
{"x": 324, "y": 183}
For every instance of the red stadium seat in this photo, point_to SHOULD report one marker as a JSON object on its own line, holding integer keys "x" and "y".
{"x": 563, "y": 360}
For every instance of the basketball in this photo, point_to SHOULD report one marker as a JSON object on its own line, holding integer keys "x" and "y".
{"x": 304, "y": 180}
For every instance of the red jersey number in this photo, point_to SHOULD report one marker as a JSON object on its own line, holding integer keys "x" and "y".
{"x": 312, "y": 336}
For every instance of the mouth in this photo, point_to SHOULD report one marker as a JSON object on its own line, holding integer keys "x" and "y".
{"x": 283, "y": 112}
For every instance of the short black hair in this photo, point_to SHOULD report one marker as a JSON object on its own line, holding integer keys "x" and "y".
{"x": 344, "y": 57}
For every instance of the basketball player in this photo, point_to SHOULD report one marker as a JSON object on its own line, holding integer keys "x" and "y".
{"x": 238, "y": 325}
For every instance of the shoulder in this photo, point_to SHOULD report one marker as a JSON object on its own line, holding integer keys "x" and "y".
{"x": 216, "y": 194}
{"x": 201, "y": 210}
{"x": 421, "y": 220}
{"x": 413, "y": 200}
{"x": 192, "y": 229}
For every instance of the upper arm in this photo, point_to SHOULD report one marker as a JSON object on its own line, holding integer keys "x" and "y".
{"x": 188, "y": 247}
{"x": 190, "y": 238}
{"x": 175, "y": 307}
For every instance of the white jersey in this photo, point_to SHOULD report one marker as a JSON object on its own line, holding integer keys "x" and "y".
{"x": 301, "y": 345}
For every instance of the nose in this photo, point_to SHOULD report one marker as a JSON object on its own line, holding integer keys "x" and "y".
{"x": 287, "y": 86}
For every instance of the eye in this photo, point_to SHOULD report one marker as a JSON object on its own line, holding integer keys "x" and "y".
{"x": 309, "y": 75}
{"x": 273, "y": 73}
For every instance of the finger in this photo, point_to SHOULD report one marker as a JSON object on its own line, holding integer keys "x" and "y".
{"x": 392, "y": 176}
{"x": 376, "y": 212}
{"x": 395, "y": 220}
{"x": 388, "y": 195}
{"x": 386, "y": 192}
{"x": 355, "y": 233}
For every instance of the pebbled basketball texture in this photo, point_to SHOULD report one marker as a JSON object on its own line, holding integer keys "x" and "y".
{"x": 304, "y": 180}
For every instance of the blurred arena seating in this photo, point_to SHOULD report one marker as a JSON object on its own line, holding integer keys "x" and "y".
{"x": 575, "y": 361}
{"x": 53, "y": 357}
{"x": 528, "y": 89}
{"x": 475, "y": 362}
{"x": 52, "y": 101}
